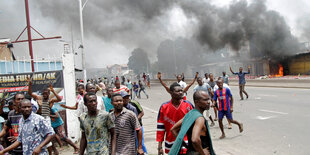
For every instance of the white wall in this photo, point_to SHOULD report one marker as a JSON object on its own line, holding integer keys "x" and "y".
{"x": 69, "y": 84}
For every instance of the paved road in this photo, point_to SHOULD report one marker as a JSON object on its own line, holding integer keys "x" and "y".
{"x": 276, "y": 121}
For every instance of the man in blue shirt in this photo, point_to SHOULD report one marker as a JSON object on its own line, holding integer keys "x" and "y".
{"x": 107, "y": 99}
{"x": 58, "y": 126}
{"x": 129, "y": 86}
{"x": 242, "y": 82}
{"x": 34, "y": 132}
{"x": 204, "y": 87}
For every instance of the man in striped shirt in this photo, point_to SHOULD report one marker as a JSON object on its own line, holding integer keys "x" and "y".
{"x": 225, "y": 106}
{"x": 126, "y": 124}
{"x": 170, "y": 113}
{"x": 119, "y": 88}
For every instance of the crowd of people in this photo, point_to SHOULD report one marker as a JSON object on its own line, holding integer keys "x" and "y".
{"x": 112, "y": 123}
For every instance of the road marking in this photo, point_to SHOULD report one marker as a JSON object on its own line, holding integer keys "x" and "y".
{"x": 268, "y": 95}
{"x": 264, "y": 118}
{"x": 257, "y": 98}
{"x": 149, "y": 109}
{"x": 276, "y": 112}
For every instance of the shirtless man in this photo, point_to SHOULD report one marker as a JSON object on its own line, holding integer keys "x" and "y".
{"x": 195, "y": 126}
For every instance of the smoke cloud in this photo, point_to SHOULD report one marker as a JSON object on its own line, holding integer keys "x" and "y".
{"x": 145, "y": 24}
{"x": 241, "y": 22}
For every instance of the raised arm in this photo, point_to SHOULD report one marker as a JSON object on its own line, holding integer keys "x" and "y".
{"x": 188, "y": 86}
{"x": 231, "y": 70}
{"x": 57, "y": 99}
{"x": 33, "y": 95}
{"x": 162, "y": 83}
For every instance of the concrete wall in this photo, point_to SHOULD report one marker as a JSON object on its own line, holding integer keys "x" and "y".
{"x": 300, "y": 65}
{"x": 73, "y": 127}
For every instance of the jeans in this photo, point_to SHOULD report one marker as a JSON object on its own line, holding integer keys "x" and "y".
{"x": 143, "y": 92}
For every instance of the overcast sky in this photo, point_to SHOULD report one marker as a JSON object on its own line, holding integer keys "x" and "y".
{"x": 115, "y": 44}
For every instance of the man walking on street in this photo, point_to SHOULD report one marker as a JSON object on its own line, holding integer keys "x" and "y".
{"x": 12, "y": 124}
{"x": 45, "y": 105}
{"x": 205, "y": 87}
{"x": 126, "y": 124}
{"x": 195, "y": 126}
{"x": 142, "y": 89}
{"x": 135, "y": 107}
{"x": 97, "y": 126}
{"x": 34, "y": 132}
{"x": 169, "y": 113}
{"x": 242, "y": 81}
{"x": 129, "y": 86}
{"x": 119, "y": 88}
{"x": 225, "y": 78}
{"x": 90, "y": 88}
{"x": 225, "y": 106}
{"x": 107, "y": 100}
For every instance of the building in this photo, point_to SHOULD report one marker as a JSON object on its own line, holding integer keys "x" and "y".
{"x": 5, "y": 51}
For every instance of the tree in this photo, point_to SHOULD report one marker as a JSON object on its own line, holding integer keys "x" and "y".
{"x": 139, "y": 61}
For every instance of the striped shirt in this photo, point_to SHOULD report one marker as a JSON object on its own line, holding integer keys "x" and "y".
{"x": 46, "y": 110}
{"x": 126, "y": 124}
{"x": 122, "y": 88}
{"x": 223, "y": 99}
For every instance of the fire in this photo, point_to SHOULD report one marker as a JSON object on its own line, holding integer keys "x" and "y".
{"x": 280, "y": 71}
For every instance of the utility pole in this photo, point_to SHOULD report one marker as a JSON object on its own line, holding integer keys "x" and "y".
{"x": 29, "y": 27}
{"x": 29, "y": 34}
{"x": 81, "y": 6}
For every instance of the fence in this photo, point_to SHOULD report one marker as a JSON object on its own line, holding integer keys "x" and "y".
{"x": 24, "y": 65}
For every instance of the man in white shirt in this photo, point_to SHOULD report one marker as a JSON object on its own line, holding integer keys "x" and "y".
{"x": 206, "y": 78}
{"x": 100, "y": 105}
{"x": 79, "y": 106}
{"x": 180, "y": 82}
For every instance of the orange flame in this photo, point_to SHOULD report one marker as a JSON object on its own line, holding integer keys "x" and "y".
{"x": 280, "y": 71}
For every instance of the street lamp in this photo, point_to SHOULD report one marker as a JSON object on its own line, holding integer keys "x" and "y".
{"x": 81, "y": 7}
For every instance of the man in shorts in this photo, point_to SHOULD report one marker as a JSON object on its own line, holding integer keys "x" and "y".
{"x": 58, "y": 126}
{"x": 225, "y": 106}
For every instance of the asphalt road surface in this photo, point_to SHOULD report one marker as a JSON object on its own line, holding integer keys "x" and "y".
{"x": 276, "y": 121}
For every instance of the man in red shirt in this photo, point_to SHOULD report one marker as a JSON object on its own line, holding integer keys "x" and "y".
{"x": 170, "y": 113}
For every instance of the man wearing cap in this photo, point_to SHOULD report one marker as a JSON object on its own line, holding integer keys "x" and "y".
{"x": 135, "y": 107}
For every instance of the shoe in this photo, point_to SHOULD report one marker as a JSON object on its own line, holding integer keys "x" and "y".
{"x": 212, "y": 124}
